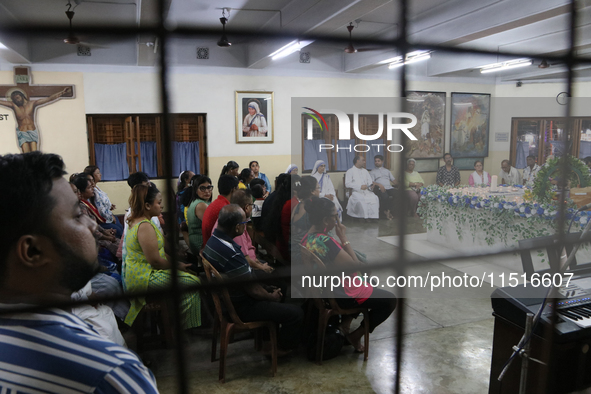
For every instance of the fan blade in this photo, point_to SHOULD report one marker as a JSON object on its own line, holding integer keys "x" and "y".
{"x": 370, "y": 49}
{"x": 88, "y": 44}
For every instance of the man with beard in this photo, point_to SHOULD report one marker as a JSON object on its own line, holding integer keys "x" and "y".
{"x": 24, "y": 110}
{"x": 47, "y": 252}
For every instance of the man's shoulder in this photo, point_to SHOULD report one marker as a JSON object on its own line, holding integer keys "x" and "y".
{"x": 67, "y": 349}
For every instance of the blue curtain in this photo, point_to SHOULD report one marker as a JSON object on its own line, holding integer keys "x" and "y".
{"x": 185, "y": 156}
{"x": 522, "y": 153}
{"x": 585, "y": 149}
{"x": 112, "y": 160}
{"x": 312, "y": 153}
{"x": 149, "y": 158}
{"x": 344, "y": 157}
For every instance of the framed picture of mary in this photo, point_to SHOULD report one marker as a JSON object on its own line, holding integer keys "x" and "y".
{"x": 254, "y": 117}
{"x": 470, "y": 116}
{"x": 429, "y": 109}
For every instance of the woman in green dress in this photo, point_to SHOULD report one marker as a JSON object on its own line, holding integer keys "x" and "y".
{"x": 201, "y": 198}
{"x": 147, "y": 267}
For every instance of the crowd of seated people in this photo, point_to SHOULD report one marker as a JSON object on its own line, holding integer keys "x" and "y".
{"x": 295, "y": 211}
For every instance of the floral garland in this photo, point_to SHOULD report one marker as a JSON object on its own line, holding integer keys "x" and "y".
{"x": 543, "y": 190}
{"x": 498, "y": 218}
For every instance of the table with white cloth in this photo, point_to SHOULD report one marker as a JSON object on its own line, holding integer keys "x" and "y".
{"x": 475, "y": 220}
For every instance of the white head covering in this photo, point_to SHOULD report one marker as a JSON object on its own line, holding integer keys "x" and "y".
{"x": 316, "y": 165}
{"x": 317, "y": 175}
{"x": 255, "y": 106}
{"x": 290, "y": 168}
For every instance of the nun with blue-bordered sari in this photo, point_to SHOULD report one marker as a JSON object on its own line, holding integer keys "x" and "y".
{"x": 326, "y": 186}
{"x": 255, "y": 124}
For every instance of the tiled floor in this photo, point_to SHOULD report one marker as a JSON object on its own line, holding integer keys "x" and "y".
{"x": 446, "y": 345}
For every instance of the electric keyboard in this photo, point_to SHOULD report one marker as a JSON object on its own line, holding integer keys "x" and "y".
{"x": 573, "y": 309}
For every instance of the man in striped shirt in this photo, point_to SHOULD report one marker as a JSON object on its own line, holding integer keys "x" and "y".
{"x": 48, "y": 251}
{"x": 252, "y": 302}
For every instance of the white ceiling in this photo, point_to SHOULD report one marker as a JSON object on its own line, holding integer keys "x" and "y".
{"x": 535, "y": 26}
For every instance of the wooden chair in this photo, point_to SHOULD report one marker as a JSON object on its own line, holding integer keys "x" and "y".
{"x": 328, "y": 307}
{"x": 226, "y": 326}
{"x": 155, "y": 316}
{"x": 260, "y": 240}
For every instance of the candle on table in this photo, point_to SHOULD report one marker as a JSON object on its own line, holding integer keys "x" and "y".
{"x": 493, "y": 183}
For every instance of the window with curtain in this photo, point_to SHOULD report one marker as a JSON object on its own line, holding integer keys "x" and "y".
{"x": 123, "y": 144}
{"x": 542, "y": 137}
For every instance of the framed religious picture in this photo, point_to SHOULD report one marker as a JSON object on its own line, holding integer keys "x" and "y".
{"x": 254, "y": 117}
{"x": 467, "y": 163}
{"x": 427, "y": 165}
{"x": 470, "y": 117}
{"x": 429, "y": 108}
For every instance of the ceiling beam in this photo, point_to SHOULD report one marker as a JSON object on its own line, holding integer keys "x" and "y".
{"x": 312, "y": 17}
{"x": 17, "y": 48}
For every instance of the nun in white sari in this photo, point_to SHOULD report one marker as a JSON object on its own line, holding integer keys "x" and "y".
{"x": 254, "y": 124}
{"x": 326, "y": 186}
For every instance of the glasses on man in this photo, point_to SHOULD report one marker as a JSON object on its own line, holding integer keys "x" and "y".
{"x": 244, "y": 222}
{"x": 206, "y": 188}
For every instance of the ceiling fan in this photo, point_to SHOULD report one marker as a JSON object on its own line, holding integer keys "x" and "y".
{"x": 545, "y": 64}
{"x": 72, "y": 39}
{"x": 351, "y": 49}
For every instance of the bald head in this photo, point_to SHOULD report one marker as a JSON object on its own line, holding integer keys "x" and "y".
{"x": 231, "y": 220}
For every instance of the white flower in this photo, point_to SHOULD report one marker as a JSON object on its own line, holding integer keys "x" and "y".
{"x": 522, "y": 209}
{"x": 528, "y": 215}
{"x": 507, "y": 206}
{"x": 583, "y": 220}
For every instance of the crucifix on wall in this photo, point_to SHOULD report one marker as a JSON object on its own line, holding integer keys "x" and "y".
{"x": 19, "y": 98}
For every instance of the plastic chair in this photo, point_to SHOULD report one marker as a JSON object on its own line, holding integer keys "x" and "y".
{"x": 226, "y": 326}
{"x": 328, "y": 307}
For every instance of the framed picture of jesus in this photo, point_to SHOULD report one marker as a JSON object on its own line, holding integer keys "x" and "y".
{"x": 470, "y": 115}
{"x": 254, "y": 117}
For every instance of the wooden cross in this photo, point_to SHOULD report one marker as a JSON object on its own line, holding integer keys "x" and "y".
{"x": 23, "y": 81}
{"x": 25, "y": 108}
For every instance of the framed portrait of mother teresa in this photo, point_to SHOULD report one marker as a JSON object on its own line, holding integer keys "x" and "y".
{"x": 254, "y": 117}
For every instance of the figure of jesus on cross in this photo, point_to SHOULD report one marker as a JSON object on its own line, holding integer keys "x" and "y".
{"x": 24, "y": 109}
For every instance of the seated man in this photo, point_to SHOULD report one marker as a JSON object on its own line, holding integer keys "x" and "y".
{"x": 382, "y": 185}
{"x": 362, "y": 202}
{"x": 509, "y": 174}
{"x": 45, "y": 238}
{"x": 252, "y": 302}
{"x": 530, "y": 172}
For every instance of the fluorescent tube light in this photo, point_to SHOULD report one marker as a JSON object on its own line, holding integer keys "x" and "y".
{"x": 290, "y": 48}
{"x": 2, "y": 46}
{"x": 411, "y": 57}
{"x": 490, "y": 68}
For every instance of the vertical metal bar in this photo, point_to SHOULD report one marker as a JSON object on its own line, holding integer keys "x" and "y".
{"x": 171, "y": 228}
{"x": 564, "y": 171}
{"x": 402, "y": 214}
{"x": 529, "y": 318}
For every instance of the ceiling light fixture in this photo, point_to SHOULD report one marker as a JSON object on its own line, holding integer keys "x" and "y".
{"x": 412, "y": 57}
{"x": 2, "y": 46}
{"x": 290, "y": 48}
{"x": 491, "y": 68}
{"x": 224, "y": 42}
